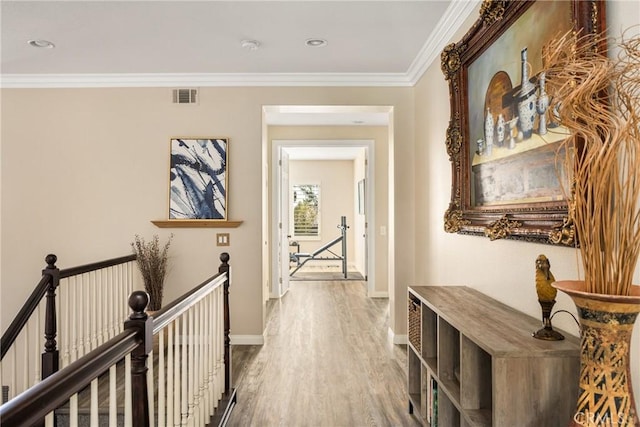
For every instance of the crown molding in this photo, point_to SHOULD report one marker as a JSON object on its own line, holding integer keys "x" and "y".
{"x": 11, "y": 81}
{"x": 453, "y": 18}
{"x": 455, "y": 15}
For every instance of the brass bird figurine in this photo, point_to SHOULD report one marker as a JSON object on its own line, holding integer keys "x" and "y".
{"x": 546, "y": 298}
{"x": 544, "y": 279}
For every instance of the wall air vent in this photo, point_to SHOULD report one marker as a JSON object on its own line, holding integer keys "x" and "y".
{"x": 185, "y": 96}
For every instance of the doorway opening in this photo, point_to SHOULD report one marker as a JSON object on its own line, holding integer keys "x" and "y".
{"x": 324, "y": 205}
{"x": 289, "y": 130}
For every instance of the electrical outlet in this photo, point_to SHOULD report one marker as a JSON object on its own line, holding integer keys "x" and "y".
{"x": 222, "y": 239}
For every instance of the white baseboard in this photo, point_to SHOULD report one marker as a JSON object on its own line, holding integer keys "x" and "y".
{"x": 397, "y": 339}
{"x": 378, "y": 294}
{"x": 247, "y": 339}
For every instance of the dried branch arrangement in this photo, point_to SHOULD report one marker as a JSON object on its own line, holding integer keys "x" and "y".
{"x": 152, "y": 261}
{"x": 598, "y": 99}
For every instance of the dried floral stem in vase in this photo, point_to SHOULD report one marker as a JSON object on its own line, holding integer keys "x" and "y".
{"x": 152, "y": 260}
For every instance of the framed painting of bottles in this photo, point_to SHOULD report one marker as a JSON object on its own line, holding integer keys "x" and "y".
{"x": 502, "y": 137}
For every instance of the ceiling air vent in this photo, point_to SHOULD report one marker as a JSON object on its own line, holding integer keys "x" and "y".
{"x": 185, "y": 96}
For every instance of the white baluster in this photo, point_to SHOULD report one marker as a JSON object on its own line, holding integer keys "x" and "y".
{"x": 74, "y": 309}
{"x": 73, "y": 411}
{"x": 125, "y": 296}
{"x": 112, "y": 305}
{"x": 190, "y": 366}
{"x": 88, "y": 312}
{"x": 66, "y": 332}
{"x": 211, "y": 362}
{"x": 59, "y": 338}
{"x": 161, "y": 380}
{"x": 213, "y": 357}
{"x": 37, "y": 344}
{"x": 113, "y": 397}
{"x": 184, "y": 392}
{"x": 213, "y": 351}
{"x": 196, "y": 364}
{"x": 220, "y": 342}
{"x": 130, "y": 277}
{"x": 118, "y": 302}
{"x": 128, "y": 415}
{"x": 25, "y": 358}
{"x": 204, "y": 373}
{"x": 151, "y": 387}
{"x": 176, "y": 372}
{"x": 48, "y": 420}
{"x": 202, "y": 403}
{"x": 104, "y": 292}
{"x": 170, "y": 366}
{"x": 82, "y": 314}
{"x": 13, "y": 383}
{"x": 94, "y": 309}
{"x": 94, "y": 402}
{"x": 80, "y": 309}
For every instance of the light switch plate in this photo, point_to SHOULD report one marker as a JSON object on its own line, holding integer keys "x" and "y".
{"x": 222, "y": 239}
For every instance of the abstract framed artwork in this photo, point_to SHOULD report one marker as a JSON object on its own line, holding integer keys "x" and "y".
{"x": 502, "y": 139}
{"x": 198, "y": 179}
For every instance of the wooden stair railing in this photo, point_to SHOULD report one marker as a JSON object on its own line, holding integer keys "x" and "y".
{"x": 136, "y": 343}
{"x": 52, "y": 277}
{"x": 31, "y": 406}
{"x": 168, "y": 318}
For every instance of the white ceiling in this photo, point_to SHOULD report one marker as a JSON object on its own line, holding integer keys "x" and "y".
{"x": 182, "y": 43}
{"x": 165, "y": 42}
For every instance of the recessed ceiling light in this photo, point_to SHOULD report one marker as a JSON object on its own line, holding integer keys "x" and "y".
{"x": 250, "y": 44}
{"x": 316, "y": 42}
{"x": 46, "y": 44}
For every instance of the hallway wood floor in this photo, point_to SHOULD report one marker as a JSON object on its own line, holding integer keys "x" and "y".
{"x": 327, "y": 361}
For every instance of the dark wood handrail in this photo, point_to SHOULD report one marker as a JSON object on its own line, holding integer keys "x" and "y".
{"x": 48, "y": 274}
{"x": 12, "y": 332}
{"x": 73, "y": 271}
{"x": 30, "y": 406}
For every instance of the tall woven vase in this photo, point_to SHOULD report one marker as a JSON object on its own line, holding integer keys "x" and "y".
{"x": 605, "y": 397}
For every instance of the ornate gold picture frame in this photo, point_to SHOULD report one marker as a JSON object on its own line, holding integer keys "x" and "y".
{"x": 502, "y": 138}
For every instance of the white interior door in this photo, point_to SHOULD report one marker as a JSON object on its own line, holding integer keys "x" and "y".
{"x": 283, "y": 220}
{"x": 367, "y": 195}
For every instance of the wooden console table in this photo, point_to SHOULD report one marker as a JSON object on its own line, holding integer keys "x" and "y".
{"x": 487, "y": 369}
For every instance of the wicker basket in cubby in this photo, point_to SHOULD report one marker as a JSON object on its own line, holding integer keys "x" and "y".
{"x": 414, "y": 324}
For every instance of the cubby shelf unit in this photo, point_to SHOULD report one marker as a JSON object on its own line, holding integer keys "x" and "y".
{"x": 488, "y": 368}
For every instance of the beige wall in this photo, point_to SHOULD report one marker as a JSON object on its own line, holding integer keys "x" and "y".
{"x": 84, "y": 170}
{"x": 380, "y": 136}
{"x": 501, "y": 269}
{"x": 335, "y": 178}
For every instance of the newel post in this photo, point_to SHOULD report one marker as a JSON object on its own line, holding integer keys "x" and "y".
{"x": 225, "y": 268}
{"x": 142, "y": 324}
{"x": 50, "y": 357}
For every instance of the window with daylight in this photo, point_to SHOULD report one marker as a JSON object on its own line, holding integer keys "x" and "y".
{"x": 306, "y": 210}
